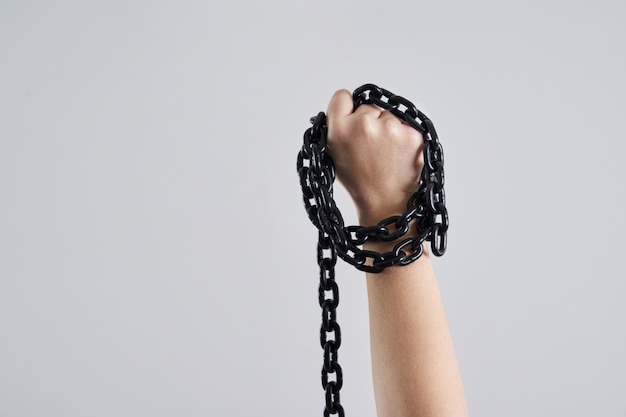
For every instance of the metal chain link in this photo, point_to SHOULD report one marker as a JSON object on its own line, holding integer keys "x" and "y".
{"x": 426, "y": 207}
{"x": 330, "y": 332}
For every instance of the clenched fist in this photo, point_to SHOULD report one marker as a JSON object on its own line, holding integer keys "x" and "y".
{"x": 377, "y": 157}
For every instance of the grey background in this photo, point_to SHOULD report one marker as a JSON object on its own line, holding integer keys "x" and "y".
{"x": 155, "y": 258}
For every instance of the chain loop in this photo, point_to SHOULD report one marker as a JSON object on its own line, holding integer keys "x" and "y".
{"x": 426, "y": 210}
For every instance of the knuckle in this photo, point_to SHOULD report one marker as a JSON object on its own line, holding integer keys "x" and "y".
{"x": 363, "y": 127}
{"x": 393, "y": 127}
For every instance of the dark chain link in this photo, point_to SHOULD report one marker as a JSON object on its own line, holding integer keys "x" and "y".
{"x": 330, "y": 332}
{"x": 426, "y": 207}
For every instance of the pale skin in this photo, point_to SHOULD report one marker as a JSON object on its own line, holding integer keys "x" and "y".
{"x": 415, "y": 372}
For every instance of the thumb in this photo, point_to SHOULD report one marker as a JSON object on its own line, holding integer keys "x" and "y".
{"x": 340, "y": 104}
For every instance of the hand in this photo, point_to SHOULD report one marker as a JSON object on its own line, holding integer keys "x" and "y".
{"x": 377, "y": 157}
{"x": 379, "y": 161}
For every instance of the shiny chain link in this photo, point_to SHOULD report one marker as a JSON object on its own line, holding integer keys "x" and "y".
{"x": 426, "y": 205}
{"x": 330, "y": 332}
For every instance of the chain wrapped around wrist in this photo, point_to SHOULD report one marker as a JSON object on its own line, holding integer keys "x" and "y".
{"x": 427, "y": 204}
{"x": 426, "y": 212}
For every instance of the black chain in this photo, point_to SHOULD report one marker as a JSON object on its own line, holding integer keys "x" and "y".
{"x": 427, "y": 204}
{"x": 330, "y": 332}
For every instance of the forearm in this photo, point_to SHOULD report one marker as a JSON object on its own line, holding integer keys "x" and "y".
{"x": 414, "y": 366}
{"x": 379, "y": 160}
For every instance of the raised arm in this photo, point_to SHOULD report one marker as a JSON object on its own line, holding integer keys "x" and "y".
{"x": 378, "y": 159}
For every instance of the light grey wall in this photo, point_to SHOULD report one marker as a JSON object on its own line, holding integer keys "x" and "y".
{"x": 155, "y": 258}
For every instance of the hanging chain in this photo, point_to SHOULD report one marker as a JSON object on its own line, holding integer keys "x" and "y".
{"x": 426, "y": 205}
{"x": 330, "y": 332}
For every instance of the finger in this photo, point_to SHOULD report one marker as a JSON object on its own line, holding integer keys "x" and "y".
{"x": 340, "y": 104}
{"x": 392, "y": 121}
{"x": 387, "y": 114}
{"x": 369, "y": 109}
